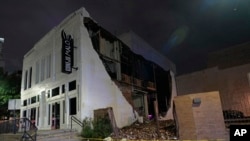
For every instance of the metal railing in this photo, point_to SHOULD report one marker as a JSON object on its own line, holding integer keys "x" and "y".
{"x": 9, "y": 126}
{"x": 22, "y": 126}
{"x": 235, "y": 117}
{"x": 28, "y": 128}
{"x": 77, "y": 121}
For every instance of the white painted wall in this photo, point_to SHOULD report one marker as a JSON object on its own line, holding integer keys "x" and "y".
{"x": 96, "y": 89}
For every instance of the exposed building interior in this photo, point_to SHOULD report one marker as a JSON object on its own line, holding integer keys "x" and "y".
{"x": 141, "y": 81}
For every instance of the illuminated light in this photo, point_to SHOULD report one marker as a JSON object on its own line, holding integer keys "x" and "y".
{"x": 2, "y": 40}
{"x": 150, "y": 117}
{"x": 176, "y": 38}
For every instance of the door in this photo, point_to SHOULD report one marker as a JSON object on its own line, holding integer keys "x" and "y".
{"x": 55, "y": 116}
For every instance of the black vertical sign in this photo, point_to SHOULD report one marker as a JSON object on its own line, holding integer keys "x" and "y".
{"x": 67, "y": 53}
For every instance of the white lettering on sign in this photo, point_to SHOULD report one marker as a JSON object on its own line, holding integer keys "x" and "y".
{"x": 67, "y": 52}
{"x": 240, "y": 132}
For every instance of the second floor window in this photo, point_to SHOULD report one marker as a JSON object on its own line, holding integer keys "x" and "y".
{"x": 72, "y": 85}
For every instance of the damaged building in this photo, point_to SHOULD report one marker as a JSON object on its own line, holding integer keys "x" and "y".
{"x": 79, "y": 67}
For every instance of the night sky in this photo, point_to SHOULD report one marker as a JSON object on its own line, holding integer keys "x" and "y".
{"x": 184, "y": 30}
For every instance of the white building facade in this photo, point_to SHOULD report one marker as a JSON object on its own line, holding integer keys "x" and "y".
{"x": 64, "y": 76}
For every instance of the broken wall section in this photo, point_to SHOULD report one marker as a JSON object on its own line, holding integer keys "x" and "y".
{"x": 143, "y": 79}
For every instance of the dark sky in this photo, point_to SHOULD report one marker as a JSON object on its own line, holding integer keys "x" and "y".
{"x": 184, "y": 30}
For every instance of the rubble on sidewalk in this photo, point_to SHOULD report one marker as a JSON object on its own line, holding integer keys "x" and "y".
{"x": 148, "y": 130}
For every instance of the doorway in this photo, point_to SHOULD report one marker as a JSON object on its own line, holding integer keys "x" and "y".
{"x": 55, "y": 116}
{"x": 33, "y": 115}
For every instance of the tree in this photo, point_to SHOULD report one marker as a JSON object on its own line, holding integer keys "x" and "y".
{"x": 10, "y": 86}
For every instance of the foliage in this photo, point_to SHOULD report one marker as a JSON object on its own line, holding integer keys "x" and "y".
{"x": 87, "y": 130}
{"x": 99, "y": 128}
{"x": 10, "y": 86}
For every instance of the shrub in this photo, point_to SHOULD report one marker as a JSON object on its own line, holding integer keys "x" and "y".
{"x": 87, "y": 130}
{"x": 99, "y": 128}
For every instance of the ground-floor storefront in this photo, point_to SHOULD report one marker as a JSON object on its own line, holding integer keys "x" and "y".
{"x": 50, "y": 112}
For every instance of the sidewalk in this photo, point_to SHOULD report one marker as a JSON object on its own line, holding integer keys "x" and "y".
{"x": 57, "y": 135}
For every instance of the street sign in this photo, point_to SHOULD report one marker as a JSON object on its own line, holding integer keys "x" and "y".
{"x": 14, "y": 104}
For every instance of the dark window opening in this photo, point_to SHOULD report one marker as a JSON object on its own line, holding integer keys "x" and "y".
{"x": 63, "y": 112}
{"x": 38, "y": 115}
{"x": 33, "y": 99}
{"x": 72, "y": 85}
{"x": 72, "y": 106}
{"x": 49, "y": 114}
{"x": 55, "y": 91}
{"x": 33, "y": 114}
{"x": 30, "y": 78}
{"x": 25, "y": 102}
{"x": 24, "y": 113}
{"x": 25, "y": 80}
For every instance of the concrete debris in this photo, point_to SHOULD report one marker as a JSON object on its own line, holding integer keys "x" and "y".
{"x": 148, "y": 131}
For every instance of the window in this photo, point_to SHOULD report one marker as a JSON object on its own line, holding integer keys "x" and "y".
{"x": 72, "y": 85}
{"x": 30, "y": 77}
{"x": 25, "y": 102}
{"x": 42, "y": 69}
{"x": 49, "y": 114}
{"x": 33, "y": 113}
{"x": 38, "y": 114}
{"x": 55, "y": 91}
{"x": 63, "y": 112}
{"x": 72, "y": 106}
{"x": 48, "y": 74}
{"x": 33, "y": 99}
{"x": 37, "y": 72}
{"x": 24, "y": 113}
{"x": 25, "y": 79}
{"x": 38, "y": 98}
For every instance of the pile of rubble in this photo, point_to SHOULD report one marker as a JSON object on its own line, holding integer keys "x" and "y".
{"x": 148, "y": 130}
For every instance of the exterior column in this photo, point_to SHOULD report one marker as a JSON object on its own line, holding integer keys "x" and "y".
{"x": 42, "y": 109}
{"x": 67, "y": 106}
